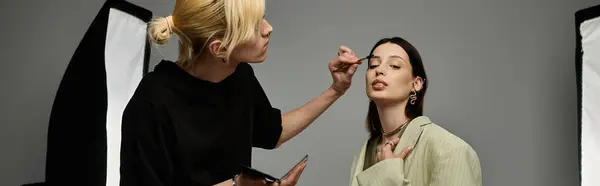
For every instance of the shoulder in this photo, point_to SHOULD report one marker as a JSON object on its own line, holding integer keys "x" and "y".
{"x": 150, "y": 86}
{"x": 358, "y": 154}
{"x": 246, "y": 76}
{"x": 443, "y": 142}
{"x": 245, "y": 70}
{"x": 144, "y": 101}
{"x": 360, "y": 150}
{"x": 245, "y": 67}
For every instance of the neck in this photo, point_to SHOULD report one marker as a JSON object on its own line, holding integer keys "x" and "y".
{"x": 392, "y": 116}
{"x": 212, "y": 69}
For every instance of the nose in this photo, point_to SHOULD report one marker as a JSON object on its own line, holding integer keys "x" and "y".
{"x": 378, "y": 71}
{"x": 267, "y": 29}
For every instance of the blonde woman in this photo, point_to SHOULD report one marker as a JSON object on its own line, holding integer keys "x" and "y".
{"x": 194, "y": 121}
{"x": 406, "y": 148}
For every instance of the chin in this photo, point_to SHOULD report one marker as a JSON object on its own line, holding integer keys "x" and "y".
{"x": 382, "y": 97}
{"x": 255, "y": 62}
{"x": 259, "y": 59}
{"x": 376, "y": 95}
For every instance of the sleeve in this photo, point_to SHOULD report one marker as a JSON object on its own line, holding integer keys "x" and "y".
{"x": 267, "y": 120}
{"x": 145, "y": 147}
{"x": 458, "y": 167}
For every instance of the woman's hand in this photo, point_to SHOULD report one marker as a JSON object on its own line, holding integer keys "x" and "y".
{"x": 387, "y": 151}
{"x": 342, "y": 77}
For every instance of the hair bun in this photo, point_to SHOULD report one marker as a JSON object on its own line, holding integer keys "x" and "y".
{"x": 161, "y": 29}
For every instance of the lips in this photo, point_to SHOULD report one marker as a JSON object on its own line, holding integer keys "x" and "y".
{"x": 379, "y": 84}
{"x": 265, "y": 48}
{"x": 379, "y": 81}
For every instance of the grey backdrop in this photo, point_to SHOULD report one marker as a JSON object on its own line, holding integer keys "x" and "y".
{"x": 502, "y": 78}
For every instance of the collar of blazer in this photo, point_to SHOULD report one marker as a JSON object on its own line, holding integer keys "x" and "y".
{"x": 410, "y": 137}
{"x": 412, "y": 133}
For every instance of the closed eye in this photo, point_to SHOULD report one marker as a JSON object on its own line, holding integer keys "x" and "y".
{"x": 395, "y": 66}
{"x": 372, "y": 66}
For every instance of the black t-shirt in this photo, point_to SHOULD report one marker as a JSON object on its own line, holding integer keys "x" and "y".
{"x": 178, "y": 130}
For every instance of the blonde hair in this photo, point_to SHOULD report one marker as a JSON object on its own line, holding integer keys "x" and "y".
{"x": 198, "y": 22}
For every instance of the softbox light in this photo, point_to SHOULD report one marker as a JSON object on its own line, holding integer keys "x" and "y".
{"x": 85, "y": 122}
{"x": 588, "y": 89}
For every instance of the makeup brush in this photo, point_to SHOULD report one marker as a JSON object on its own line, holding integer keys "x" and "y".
{"x": 344, "y": 67}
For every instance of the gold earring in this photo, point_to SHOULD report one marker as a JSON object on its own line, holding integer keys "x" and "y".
{"x": 413, "y": 97}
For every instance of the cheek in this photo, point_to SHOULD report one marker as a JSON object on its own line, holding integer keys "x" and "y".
{"x": 243, "y": 53}
{"x": 406, "y": 80}
{"x": 402, "y": 83}
{"x": 254, "y": 48}
{"x": 369, "y": 76}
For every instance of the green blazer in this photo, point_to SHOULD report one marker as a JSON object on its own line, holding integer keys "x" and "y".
{"x": 438, "y": 158}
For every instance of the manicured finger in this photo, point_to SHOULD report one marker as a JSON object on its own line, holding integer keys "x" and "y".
{"x": 387, "y": 151}
{"x": 347, "y": 59}
{"x": 352, "y": 69}
{"x": 299, "y": 171}
{"x": 395, "y": 142}
{"x": 295, "y": 174}
{"x": 347, "y": 52}
{"x": 405, "y": 152}
{"x": 344, "y": 49}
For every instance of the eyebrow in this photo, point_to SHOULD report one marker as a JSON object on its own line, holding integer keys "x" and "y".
{"x": 392, "y": 56}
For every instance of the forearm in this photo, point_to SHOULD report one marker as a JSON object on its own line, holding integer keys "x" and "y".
{"x": 298, "y": 119}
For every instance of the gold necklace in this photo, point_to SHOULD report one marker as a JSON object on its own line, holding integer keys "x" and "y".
{"x": 388, "y": 134}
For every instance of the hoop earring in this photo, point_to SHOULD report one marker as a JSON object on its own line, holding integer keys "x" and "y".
{"x": 413, "y": 97}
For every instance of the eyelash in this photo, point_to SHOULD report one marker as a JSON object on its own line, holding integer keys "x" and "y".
{"x": 393, "y": 66}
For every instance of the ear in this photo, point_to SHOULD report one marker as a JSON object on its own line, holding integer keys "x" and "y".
{"x": 214, "y": 48}
{"x": 418, "y": 83}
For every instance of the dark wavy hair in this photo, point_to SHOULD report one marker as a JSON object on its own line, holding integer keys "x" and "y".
{"x": 411, "y": 111}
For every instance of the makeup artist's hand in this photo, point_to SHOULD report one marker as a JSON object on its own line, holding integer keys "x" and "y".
{"x": 293, "y": 177}
{"x": 387, "y": 151}
{"x": 244, "y": 180}
{"x": 342, "y": 79}
{"x": 290, "y": 180}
